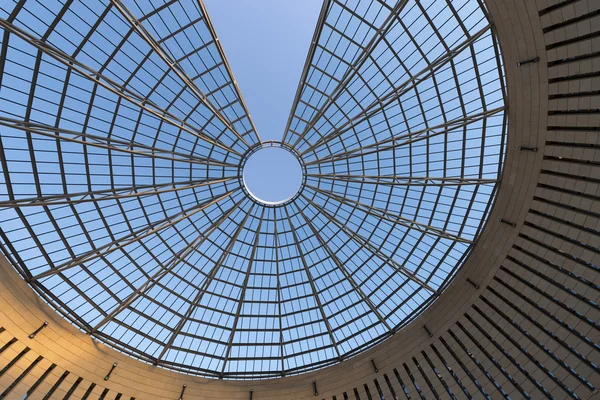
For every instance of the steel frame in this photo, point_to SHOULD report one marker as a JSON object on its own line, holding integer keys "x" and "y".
{"x": 173, "y": 65}
{"x": 109, "y": 84}
{"x": 195, "y": 255}
{"x": 408, "y": 85}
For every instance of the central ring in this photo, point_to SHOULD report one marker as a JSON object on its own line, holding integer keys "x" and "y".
{"x": 272, "y": 173}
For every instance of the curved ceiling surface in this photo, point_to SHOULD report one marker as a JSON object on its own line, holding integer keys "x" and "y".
{"x": 122, "y": 138}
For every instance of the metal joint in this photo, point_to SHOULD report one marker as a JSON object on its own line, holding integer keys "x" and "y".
{"x": 251, "y": 393}
{"x": 533, "y": 149}
{"x": 107, "y": 377}
{"x": 32, "y": 335}
{"x": 182, "y": 392}
{"x": 315, "y": 388}
{"x": 428, "y": 331}
{"x": 374, "y": 366}
{"x": 508, "y": 222}
{"x": 532, "y": 61}
{"x": 476, "y": 286}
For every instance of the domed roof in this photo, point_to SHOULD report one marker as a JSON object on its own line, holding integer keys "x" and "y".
{"x": 123, "y": 142}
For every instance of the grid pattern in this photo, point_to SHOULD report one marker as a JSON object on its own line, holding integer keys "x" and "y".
{"x": 122, "y": 135}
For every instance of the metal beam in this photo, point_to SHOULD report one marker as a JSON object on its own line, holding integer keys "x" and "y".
{"x": 108, "y": 143}
{"x": 213, "y": 32}
{"x": 205, "y": 284}
{"x": 357, "y": 289}
{"x": 397, "y": 92}
{"x": 407, "y": 138}
{"x": 243, "y": 293}
{"x": 174, "y": 66}
{"x": 312, "y": 285}
{"x": 111, "y": 85}
{"x": 307, "y": 64}
{"x": 111, "y": 194}
{"x": 276, "y": 239}
{"x": 395, "y": 219}
{"x": 366, "y": 244}
{"x": 353, "y": 69}
{"x": 398, "y": 180}
{"x": 132, "y": 237}
{"x": 164, "y": 270}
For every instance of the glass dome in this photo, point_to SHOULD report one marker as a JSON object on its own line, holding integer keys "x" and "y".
{"x": 123, "y": 136}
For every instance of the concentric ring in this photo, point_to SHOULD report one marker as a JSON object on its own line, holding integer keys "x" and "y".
{"x": 264, "y": 145}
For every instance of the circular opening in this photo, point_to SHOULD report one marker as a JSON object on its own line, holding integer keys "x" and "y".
{"x": 272, "y": 175}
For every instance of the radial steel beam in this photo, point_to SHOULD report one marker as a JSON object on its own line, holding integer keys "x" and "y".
{"x": 353, "y": 69}
{"x": 174, "y": 66}
{"x": 311, "y": 52}
{"x": 205, "y": 284}
{"x": 357, "y": 289}
{"x": 213, "y": 32}
{"x": 366, "y": 244}
{"x": 243, "y": 293}
{"x": 397, "y": 92}
{"x": 312, "y": 285}
{"x": 398, "y": 180}
{"x": 396, "y": 219}
{"x": 111, "y": 85}
{"x": 111, "y": 194}
{"x": 108, "y": 143}
{"x": 276, "y": 241}
{"x": 131, "y": 238}
{"x": 407, "y": 138}
{"x": 164, "y": 270}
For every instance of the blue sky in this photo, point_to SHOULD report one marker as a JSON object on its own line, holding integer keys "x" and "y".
{"x": 266, "y": 43}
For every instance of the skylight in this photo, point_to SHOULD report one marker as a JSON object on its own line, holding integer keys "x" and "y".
{"x": 123, "y": 142}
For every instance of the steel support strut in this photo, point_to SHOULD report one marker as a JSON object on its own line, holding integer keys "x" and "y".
{"x": 174, "y": 66}
{"x": 179, "y": 257}
{"x": 111, "y": 85}
{"x": 131, "y": 238}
